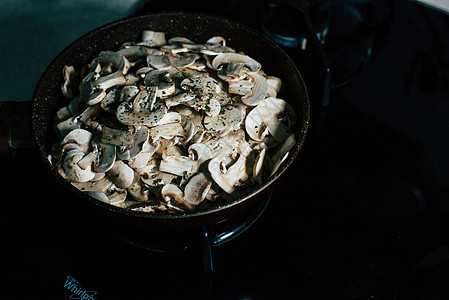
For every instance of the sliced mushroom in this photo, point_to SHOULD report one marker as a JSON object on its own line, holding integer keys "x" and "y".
{"x": 281, "y": 153}
{"x": 226, "y": 58}
{"x": 179, "y": 165}
{"x": 80, "y": 137}
{"x": 108, "y": 81}
{"x": 153, "y": 38}
{"x": 72, "y": 170}
{"x": 139, "y": 112}
{"x": 240, "y": 87}
{"x": 258, "y": 91}
{"x": 200, "y": 152}
{"x": 116, "y": 59}
{"x": 229, "y": 116}
{"x": 183, "y": 60}
{"x": 264, "y": 118}
{"x": 172, "y": 192}
{"x": 106, "y": 155}
{"x": 161, "y": 79}
{"x": 197, "y": 188}
{"x": 137, "y": 189}
{"x": 227, "y": 178}
{"x": 167, "y": 130}
{"x": 68, "y": 87}
{"x": 160, "y": 62}
{"x": 258, "y": 166}
{"x": 103, "y": 185}
{"x": 121, "y": 174}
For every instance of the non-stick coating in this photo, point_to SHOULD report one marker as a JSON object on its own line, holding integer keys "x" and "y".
{"x": 197, "y": 27}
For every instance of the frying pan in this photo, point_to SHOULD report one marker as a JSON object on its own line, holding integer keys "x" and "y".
{"x": 198, "y": 27}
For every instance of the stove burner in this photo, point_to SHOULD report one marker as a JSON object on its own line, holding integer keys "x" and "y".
{"x": 280, "y": 22}
{"x": 201, "y": 240}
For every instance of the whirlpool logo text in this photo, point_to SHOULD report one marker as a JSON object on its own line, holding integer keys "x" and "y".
{"x": 77, "y": 292}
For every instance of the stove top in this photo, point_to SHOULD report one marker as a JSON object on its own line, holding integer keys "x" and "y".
{"x": 361, "y": 214}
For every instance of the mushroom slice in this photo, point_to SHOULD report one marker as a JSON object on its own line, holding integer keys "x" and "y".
{"x": 199, "y": 152}
{"x": 275, "y": 83}
{"x": 213, "y": 107}
{"x": 182, "y": 61}
{"x": 232, "y": 72}
{"x": 258, "y": 91}
{"x": 127, "y": 93}
{"x": 229, "y": 116}
{"x": 96, "y": 96}
{"x": 72, "y": 170}
{"x": 153, "y": 38}
{"x": 179, "y": 99}
{"x": 106, "y": 155}
{"x": 138, "y": 143}
{"x": 258, "y": 166}
{"x": 226, "y": 58}
{"x": 108, "y": 81}
{"x": 217, "y": 40}
{"x": 161, "y": 79}
{"x": 99, "y": 196}
{"x": 179, "y": 165}
{"x": 166, "y": 130}
{"x": 102, "y": 185}
{"x": 137, "y": 189}
{"x": 282, "y": 153}
{"x": 70, "y": 81}
{"x": 111, "y": 100}
{"x": 227, "y": 178}
{"x": 172, "y": 192}
{"x": 265, "y": 118}
{"x": 240, "y": 87}
{"x": 116, "y": 59}
{"x": 225, "y": 146}
{"x": 160, "y": 62}
{"x": 139, "y": 113}
{"x": 121, "y": 174}
{"x": 196, "y": 189}
{"x": 135, "y": 51}
{"x": 117, "y": 137}
{"x": 80, "y": 137}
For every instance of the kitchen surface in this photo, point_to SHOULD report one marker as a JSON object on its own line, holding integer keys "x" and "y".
{"x": 363, "y": 212}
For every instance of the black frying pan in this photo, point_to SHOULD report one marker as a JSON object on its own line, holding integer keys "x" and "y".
{"x": 47, "y": 99}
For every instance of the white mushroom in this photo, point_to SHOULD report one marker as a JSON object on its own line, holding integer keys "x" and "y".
{"x": 116, "y": 59}
{"x": 108, "y": 81}
{"x": 160, "y": 62}
{"x": 179, "y": 165}
{"x": 161, "y": 79}
{"x": 106, "y": 156}
{"x": 197, "y": 188}
{"x": 226, "y": 58}
{"x": 200, "y": 152}
{"x": 172, "y": 192}
{"x": 265, "y": 117}
{"x": 139, "y": 113}
{"x": 70, "y": 83}
{"x": 121, "y": 174}
{"x": 72, "y": 170}
{"x": 229, "y": 116}
{"x": 153, "y": 38}
{"x": 258, "y": 91}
